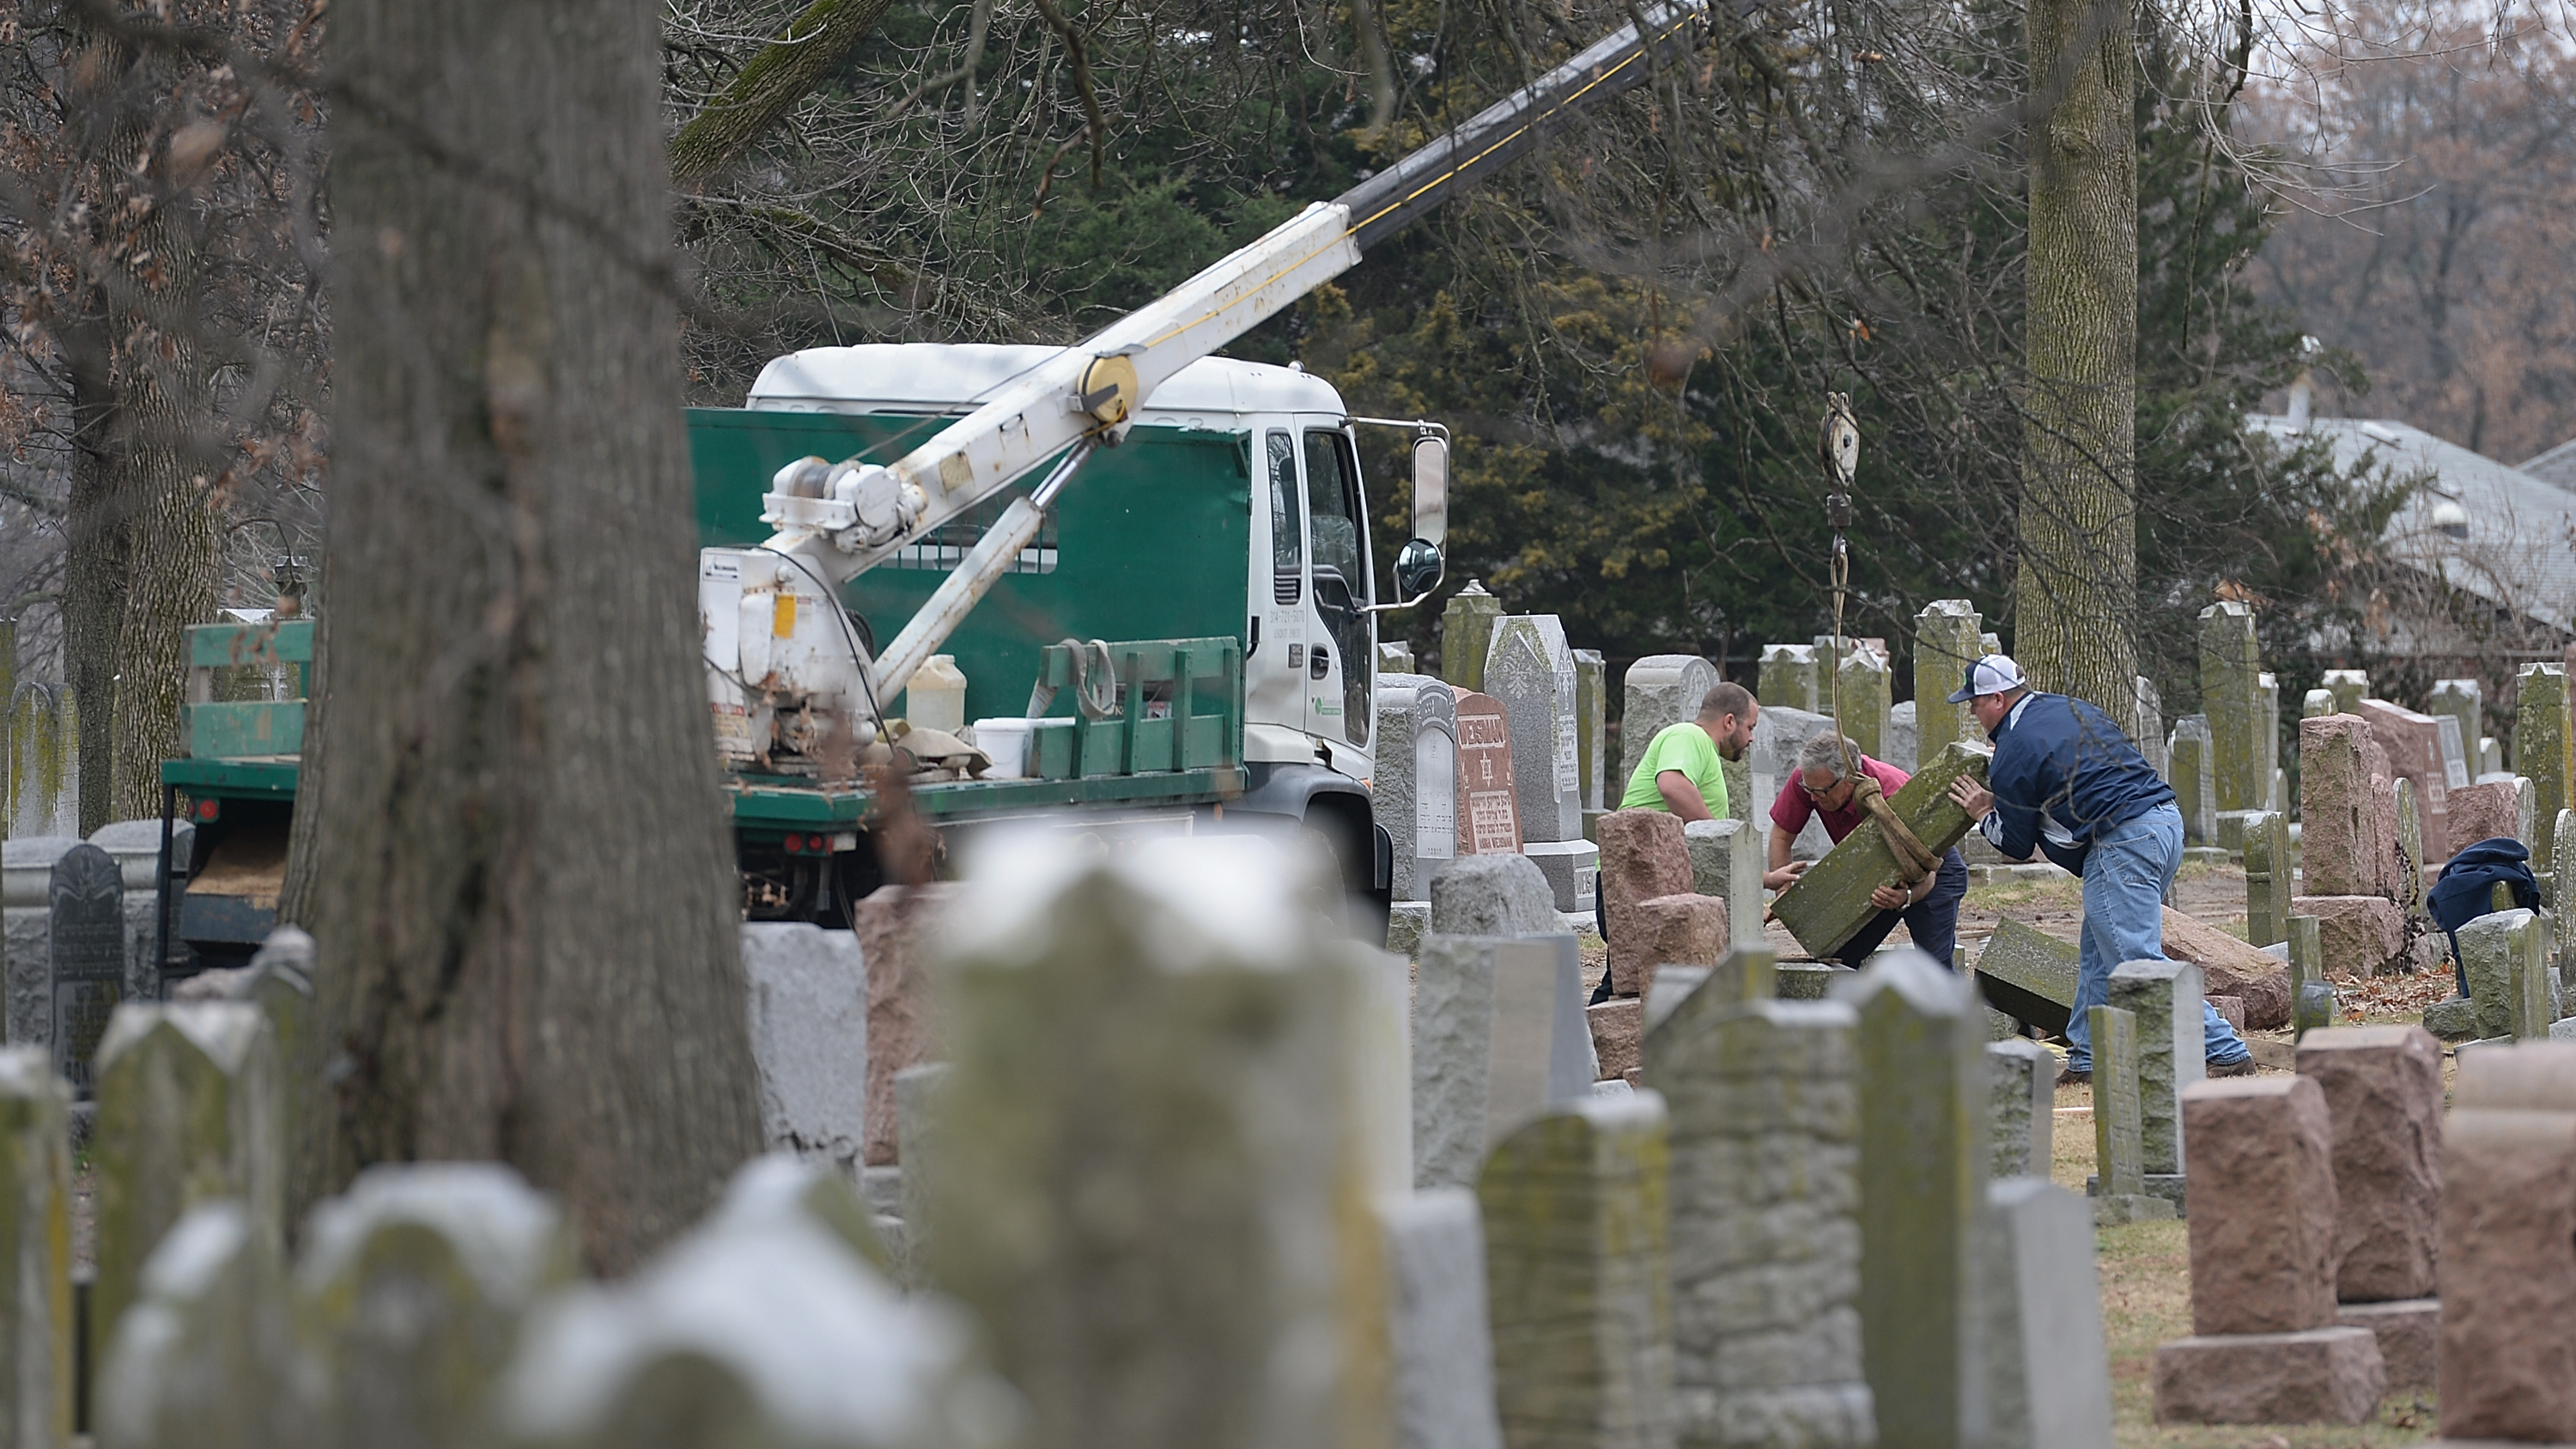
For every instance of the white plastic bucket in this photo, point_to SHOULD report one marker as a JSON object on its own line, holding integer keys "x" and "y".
{"x": 1006, "y": 743}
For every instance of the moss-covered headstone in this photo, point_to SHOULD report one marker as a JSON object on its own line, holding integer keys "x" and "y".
{"x": 1830, "y": 903}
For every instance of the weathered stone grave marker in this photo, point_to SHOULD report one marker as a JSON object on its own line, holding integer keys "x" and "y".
{"x": 1416, "y": 789}
{"x": 2541, "y": 744}
{"x": 2028, "y": 975}
{"x": 808, "y": 994}
{"x": 2265, "y": 1347}
{"x": 1499, "y": 1035}
{"x": 2165, "y": 997}
{"x": 1945, "y": 644}
{"x": 1830, "y": 903}
{"x": 36, "y": 1345}
{"x": 1661, "y": 690}
{"x": 1591, "y": 730}
{"x": 1923, "y": 1109}
{"x": 1466, "y": 634}
{"x": 1438, "y": 1321}
{"x": 1726, "y": 859}
{"x": 1788, "y": 678}
{"x": 2049, "y": 1382}
{"x": 2189, "y": 770}
{"x": 2269, "y": 887}
{"x": 207, "y": 1357}
{"x": 2383, "y": 1094}
{"x": 2119, "y": 1137}
{"x": 2021, "y": 1088}
{"x": 1488, "y": 801}
{"x": 1530, "y": 672}
{"x": 86, "y": 932}
{"x": 1578, "y": 1269}
{"x": 2231, "y": 675}
{"x": 2508, "y": 1262}
{"x": 1767, "y": 1336}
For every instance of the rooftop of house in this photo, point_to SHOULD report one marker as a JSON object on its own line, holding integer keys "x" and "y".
{"x": 2500, "y": 532}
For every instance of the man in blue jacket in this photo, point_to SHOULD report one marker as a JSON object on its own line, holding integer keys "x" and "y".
{"x": 2066, "y": 781}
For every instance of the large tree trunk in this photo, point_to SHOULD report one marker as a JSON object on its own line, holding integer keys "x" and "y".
{"x": 526, "y": 906}
{"x": 768, "y": 86}
{"x": 2076, "y": 603}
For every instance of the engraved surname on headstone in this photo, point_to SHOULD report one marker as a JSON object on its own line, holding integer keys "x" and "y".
{"x": 87, "y": 900}
{"x": 1488, "y": 807}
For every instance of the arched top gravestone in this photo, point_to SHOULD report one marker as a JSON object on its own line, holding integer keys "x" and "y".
{"x": 85, "y": 902}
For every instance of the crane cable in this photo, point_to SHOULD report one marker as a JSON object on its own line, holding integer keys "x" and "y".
{"x": 1913, "y": 860}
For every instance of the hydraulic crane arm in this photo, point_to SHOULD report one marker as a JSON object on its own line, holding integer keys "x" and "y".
{"x": 845, "y": 519}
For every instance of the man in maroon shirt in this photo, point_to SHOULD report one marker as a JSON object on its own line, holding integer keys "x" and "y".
{"x": 1822, "y": 788}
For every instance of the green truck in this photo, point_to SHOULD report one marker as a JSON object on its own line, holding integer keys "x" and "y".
{"x": 1151, "y": 564}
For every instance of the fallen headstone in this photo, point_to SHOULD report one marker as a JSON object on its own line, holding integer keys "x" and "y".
{"x": 2229, "y": 967}
{"x": 2028, "y": 975}
{"x": 1830, "y": 903}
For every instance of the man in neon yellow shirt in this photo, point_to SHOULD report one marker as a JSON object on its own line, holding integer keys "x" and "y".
{"x": 1680, "y": 770}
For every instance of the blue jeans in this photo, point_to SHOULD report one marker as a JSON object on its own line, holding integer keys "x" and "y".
{"x": 2125, "y": 880}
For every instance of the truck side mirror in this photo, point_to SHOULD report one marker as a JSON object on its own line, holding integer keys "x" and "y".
{"x": 1430, "y": 497}
{"x": 1418, "y": 567}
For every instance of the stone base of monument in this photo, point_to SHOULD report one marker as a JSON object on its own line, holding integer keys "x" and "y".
{"x": 2409, "y": 1331}
{"x": 2123, "y": 1208}
{"x": 2318, "y": 1376}
{"x": 2203, "y": 855}
{"x": 2453, "y": 1020}
{"x": 1808, "y": 980}
{"x": 1569, "y": 866}
{"x": 2166, "y": 1186}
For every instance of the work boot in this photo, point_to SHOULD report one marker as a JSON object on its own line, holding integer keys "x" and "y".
{"x": 2070, "y": 1077}
{"x": 2244, "y": 1068}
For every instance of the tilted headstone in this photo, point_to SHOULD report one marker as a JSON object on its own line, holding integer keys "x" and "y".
{"x": 1788, "y": 678}
{"x": 2348, "y": 688}
{"x": 1579, "y": 1276}
{"x": 1945, "y": 644}
{"x": 897, "y": 929}
{"x": 1466, "y": 633}
{"x": 1726, "y": 859}
{"x": 86, "y": 937}
{"x": 2383, "y": 1094}
{"x": 1660, "y": 690}
{"x": 36, "y": 1344}
{"x": 2269, "y": 868}
{"x": 1863, "y": 693}
{"x": 2029, "y": 974}
{"x": 763, "y": 1325}
{"x": 2021, "y": 1097}
{"x": 1923, "y": 1110}
{"x": 1530, "y": 672}
{"x": 808, "y": 993}
{"x": 2541, "y": 744}
{"x": 1441, "y": 1336}
{"x": 1830, "y": 903}
{"x": 207, "y": 1357}
{"x": 1125, "y": 1035}
{"x": 1415, "y": 793}
{"x": 190, "y": 1109}
{"x": 2191, "y": 772}
{"x": 1492, "y": 895}
{"x": 2165, "y": 997}
{"x": 1489, "y": 812}
{"x": 1767, "y": 1342}
{"x": 2049, "y": 1374}
{"x": 1591, "y": 730}
{"x": 413, "y": 1285}
{"x": 2231, "y": 695}
{"x": 1499, "y": 1036}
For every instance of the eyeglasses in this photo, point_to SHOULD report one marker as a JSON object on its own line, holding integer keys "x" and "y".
{"x": 1815, "y": 794}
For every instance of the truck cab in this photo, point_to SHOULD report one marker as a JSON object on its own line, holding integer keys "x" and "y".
{"x": 1235, "y": 506}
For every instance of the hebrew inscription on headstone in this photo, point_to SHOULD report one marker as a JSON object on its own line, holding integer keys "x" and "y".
{"x": 1488, "y": 815}
{"x": 87, "y": 901}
